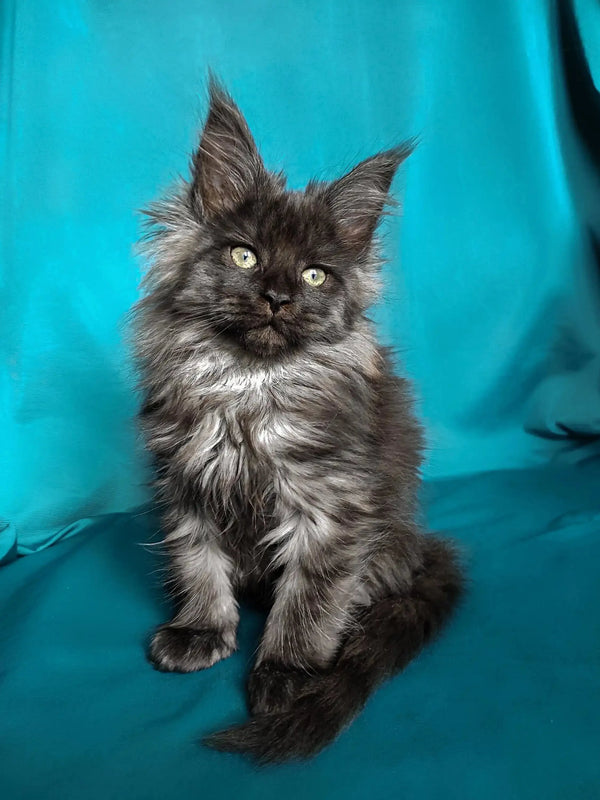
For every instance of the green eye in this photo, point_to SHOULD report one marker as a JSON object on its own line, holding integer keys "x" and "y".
{"x": 243, "y": 257}
{"x": 314, "y": 276}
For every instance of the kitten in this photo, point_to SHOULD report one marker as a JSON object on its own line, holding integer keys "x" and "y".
{"x": 287, "y": 453}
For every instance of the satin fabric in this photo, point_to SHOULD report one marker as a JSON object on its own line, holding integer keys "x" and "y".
{"x": 491, "y": 303}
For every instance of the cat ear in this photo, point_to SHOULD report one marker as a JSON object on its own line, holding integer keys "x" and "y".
{"x": 227, "y": 163}
{"x": 357, "y": 199}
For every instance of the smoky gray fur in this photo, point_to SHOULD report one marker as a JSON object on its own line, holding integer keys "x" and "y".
{"x": 287, "y": 453}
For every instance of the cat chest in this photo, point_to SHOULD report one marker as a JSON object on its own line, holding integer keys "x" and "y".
{"x": 249, "y": 431}
{"x": 238, "y": 443}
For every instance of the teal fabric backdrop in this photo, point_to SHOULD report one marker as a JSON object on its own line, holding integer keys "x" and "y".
{"x": 492, "y": 302}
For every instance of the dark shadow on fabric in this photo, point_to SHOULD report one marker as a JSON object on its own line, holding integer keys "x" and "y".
{"x": 523, "y": 374}
{"x": 582, "y": 95}
{"x": 595, "y": 241}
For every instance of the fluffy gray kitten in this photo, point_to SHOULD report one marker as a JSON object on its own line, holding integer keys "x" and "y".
{"x": 287, "y": 454}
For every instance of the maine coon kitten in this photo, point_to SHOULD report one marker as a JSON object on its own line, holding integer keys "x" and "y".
{"x": 286, "y": 450}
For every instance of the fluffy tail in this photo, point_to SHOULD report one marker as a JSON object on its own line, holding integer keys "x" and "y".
{"x": 388, "y": 635}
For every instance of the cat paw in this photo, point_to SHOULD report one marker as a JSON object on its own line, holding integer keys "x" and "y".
{"x": 175, "y": 649}
{"x": 273, "y": 687}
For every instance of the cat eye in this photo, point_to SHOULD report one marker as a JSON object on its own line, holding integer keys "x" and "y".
{"x": 243, "y": 257}
{"x": 314, "y": 276}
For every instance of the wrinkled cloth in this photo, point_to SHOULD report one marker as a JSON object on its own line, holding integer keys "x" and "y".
{"x": 503, "y": 705}
{"x": 491, "y": 302}
{"x": 491, "y": 296}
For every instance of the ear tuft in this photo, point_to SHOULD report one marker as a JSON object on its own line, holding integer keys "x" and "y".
{"x": 358, "y": 198}
{"x": 227, "y": 164}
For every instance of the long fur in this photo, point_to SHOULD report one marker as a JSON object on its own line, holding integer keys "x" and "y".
{"x": 385, "y": 638}
{"x": 287, "y": 453}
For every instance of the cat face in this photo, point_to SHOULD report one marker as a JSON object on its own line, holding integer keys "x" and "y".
{"x": 276, "y": 269}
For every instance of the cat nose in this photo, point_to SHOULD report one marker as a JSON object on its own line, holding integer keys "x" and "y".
{"x": 276, "y": 299}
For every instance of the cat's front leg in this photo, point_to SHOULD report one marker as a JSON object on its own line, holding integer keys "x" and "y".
{"x": 313, "y": 602}
{"x": 203, "y": 630}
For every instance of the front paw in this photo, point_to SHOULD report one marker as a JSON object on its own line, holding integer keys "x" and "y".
{"x": 274, "y": 687}
{"x": 175, "y": 649}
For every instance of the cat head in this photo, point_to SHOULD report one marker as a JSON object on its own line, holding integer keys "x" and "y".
{"x": 271, "y": 269}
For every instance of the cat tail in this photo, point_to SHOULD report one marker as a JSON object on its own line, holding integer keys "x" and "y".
{"x": 386, "y": 638}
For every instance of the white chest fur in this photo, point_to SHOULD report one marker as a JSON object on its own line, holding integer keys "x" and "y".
{"x": 240, "y": 431}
